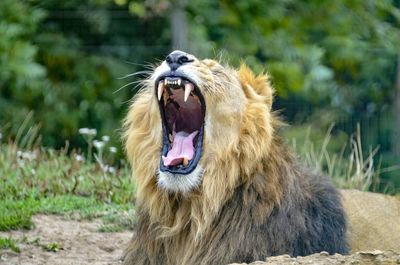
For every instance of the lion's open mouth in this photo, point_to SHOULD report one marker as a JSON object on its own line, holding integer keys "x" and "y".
{"x": 182, "y": 110}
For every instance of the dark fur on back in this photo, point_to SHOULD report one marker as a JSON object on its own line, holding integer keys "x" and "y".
{"x": 299, "y": 227}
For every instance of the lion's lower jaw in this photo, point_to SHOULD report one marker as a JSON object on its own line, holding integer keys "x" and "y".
{"x": 180, "y": 183}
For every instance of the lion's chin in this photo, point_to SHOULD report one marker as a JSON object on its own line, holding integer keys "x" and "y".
{"x": 179, "y": 183}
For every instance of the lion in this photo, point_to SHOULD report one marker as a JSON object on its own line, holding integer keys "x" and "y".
{"x": 215, "y": 182}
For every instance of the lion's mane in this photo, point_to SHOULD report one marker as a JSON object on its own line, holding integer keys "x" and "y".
{"x": 254, "y": 199}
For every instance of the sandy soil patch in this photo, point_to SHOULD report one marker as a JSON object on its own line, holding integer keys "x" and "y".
{"x": 80, "y": 241}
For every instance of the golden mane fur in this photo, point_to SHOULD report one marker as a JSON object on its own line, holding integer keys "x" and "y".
{"x": 244, "y": 163}
{"x": 236, "y": 146}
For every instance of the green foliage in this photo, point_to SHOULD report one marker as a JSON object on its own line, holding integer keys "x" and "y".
{"x": 16, "y": 214}
{"x": 324, "y": 57}
{"x": 45, "y": 172}
{"x": 17, "y": 53}
{"x": 53, "y": 247}
{"x": 61, "y": 60}
{"x": 342, "y": 159}
{"x": 40, "y": 180}
{"x": 66, "y": 67}
{"x": 9, "y": 243}
{"x": 118, "y": 220}
{"x": 314, "y": 48}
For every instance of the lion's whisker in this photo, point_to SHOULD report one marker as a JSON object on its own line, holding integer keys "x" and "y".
{"x": 146, "y": 65}
{"x": 145, "y": 72}
{"x": 130, "y": 83}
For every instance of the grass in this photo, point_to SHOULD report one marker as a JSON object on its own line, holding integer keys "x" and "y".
{"x": 343, "y": 160}
{"x": 52, "y": 247}
{"x": 9, "y": 243}
{"x": 39, "y": 180}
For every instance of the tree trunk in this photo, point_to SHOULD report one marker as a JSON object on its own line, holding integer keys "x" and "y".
{"x": 396, "y": 133}
{"x": 179, "y": 25}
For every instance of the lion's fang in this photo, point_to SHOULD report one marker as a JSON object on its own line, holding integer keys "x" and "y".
{"x": 160, "y": 90}
{"x": 188, "y": 88}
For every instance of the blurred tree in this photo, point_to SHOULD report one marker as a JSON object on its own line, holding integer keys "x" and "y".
{"x": 343, "y": 49}
{"x": 64, "y": 59}
{"x": 337, "y": 57}
{"x": 330, "y": 60}
{"x": 396, "y": 134}
{"x": 179, "y": 25}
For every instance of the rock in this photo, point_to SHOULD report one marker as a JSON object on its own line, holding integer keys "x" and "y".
{"x": 362, "y": 257}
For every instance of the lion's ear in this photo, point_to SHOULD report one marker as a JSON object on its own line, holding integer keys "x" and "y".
{"x": 255, "y": 85}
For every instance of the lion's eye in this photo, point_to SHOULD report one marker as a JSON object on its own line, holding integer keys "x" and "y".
{"x": 183, "y": 59}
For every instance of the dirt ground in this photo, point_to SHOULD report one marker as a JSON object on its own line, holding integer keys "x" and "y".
{"x": 81, "y": 243}
{"x": 375, "y": 257}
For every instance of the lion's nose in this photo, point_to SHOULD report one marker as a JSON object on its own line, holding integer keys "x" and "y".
{"x": 177, "y": 58}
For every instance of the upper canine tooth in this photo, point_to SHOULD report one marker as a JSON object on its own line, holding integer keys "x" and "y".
{"x": 160, "y": 90}
{"x": 188, "y": 88}
{"x": 179, "y": 82}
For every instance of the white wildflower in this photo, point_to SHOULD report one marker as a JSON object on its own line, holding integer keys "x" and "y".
{"x": 104, "y": 168}
{"x": 87, "y": 131}
{"x": 29, "y": 155}
{"x": 84, "y": 131}
{"x": 98, "y": 144}
{"x": 79, "y": 158}
{"x": 111, "y": 170}
{"x": 105, "y": 138}
{"x": 92, "y": 132}
{"x": 113, "y": 149}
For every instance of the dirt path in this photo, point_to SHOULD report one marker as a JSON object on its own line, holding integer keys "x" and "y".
{"x": 82, "y": 244}
{"x": 80, "y": 241}
{"x": 375, "y": 257}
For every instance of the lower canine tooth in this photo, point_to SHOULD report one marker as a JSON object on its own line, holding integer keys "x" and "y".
{"x": 165, "y": 95}
{"x": 185, "y": 162}
{"x": 160, "y": 90}
{"x": 188, "y": 88}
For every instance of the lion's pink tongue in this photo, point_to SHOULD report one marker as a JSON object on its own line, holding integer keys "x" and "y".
{"x": 182, "y": 147}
